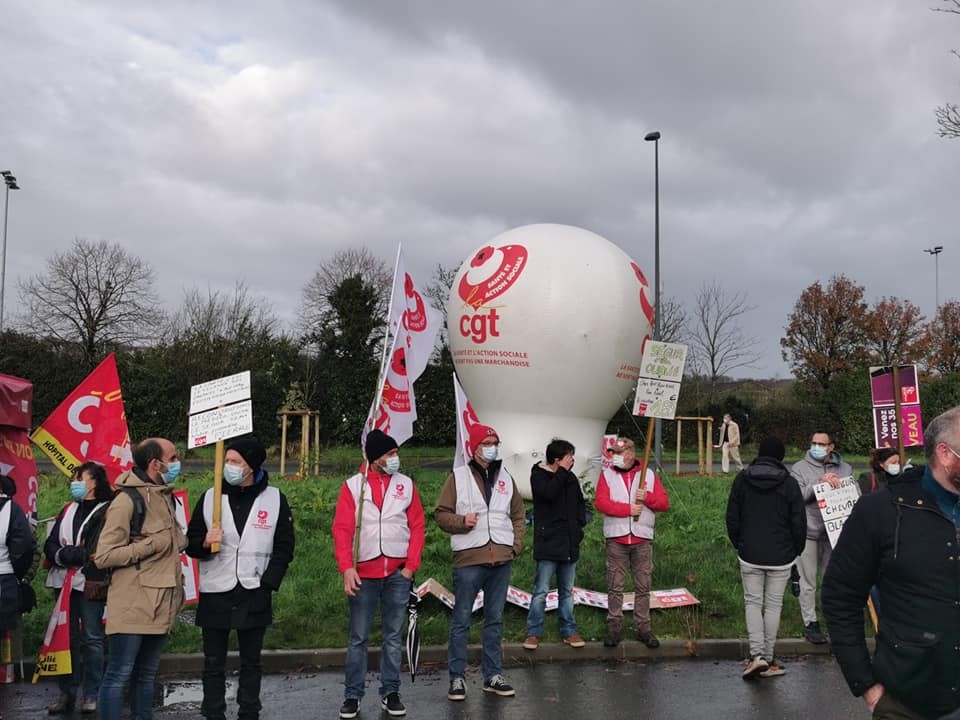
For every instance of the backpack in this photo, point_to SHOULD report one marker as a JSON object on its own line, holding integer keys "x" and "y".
{"x": 97, "y": 580}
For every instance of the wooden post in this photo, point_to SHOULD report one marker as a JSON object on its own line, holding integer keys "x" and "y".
{"x": 646, "y": 461}
{"x": 217, "y": 491}
{"x": 700, "y": 466}
{"x": 710, "y": 447}
{"x": 679, "y": 426}
{"x": 304, "y": 443}
{"x": 316, "y": 444}
{"x": 283, "y": 444}
{"x": 896, "y": 408}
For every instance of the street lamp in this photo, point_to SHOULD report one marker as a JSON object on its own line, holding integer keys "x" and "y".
{"x": 935, "y": 251}
{"x": 654, "y": 137}
{"x": 11, "y": 183}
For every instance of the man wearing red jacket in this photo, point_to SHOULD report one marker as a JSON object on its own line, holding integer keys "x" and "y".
{"x": 381, "y": 506}
{"x": 628, "y": 507}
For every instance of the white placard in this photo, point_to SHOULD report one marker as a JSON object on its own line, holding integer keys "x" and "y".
{"x": 658, "y": 385}
{"x": 656, "y": 398}
{"x": 220, "y": 424}
{"x": 835, "y": 505}
{"x": 663, "y": 361}
{"x": 221, "y": 391}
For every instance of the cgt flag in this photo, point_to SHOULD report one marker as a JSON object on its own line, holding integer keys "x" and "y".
{"x": 89, "y": 425}
{"x": 466, "y": 419}
{"x": 416, "y": 321}
{"x": 54, "y": 658}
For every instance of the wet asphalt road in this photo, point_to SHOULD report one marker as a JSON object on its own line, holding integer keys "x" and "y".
{"x": 667, "y": 690}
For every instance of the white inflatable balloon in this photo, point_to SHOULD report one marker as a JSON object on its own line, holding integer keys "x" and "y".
{"x": 547, "y": 325}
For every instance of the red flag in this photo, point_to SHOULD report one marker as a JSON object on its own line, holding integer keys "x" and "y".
{"x": 54, "y": 658}
{"x": 89, "y": 425}
{"x": 191, "y": 571}
{"x": 16, "y": 460}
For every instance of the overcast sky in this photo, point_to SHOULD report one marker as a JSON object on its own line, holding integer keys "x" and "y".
{"x": 249, "y": 140}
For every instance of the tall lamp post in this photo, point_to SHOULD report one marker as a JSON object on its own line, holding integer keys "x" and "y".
{"x": 654, "y": 137}
{"x": 935, "y": 251}
{"x": 11, "y": 183}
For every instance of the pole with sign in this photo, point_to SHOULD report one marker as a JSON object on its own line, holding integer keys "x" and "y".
{"x": 219, "y": 410}
{"x": 897, "y": 421}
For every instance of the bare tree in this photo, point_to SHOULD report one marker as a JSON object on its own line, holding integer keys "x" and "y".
{"x": 948, "y": 114}
{"x": 717, "y": 341}
{"x": 217, "y": 315}
{"x": 438, "y": 290}
{"x": 96, "y": 295}
{"x": 673, "y": 321}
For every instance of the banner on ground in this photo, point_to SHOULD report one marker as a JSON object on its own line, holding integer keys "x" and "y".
{"x": 54, "y": 658}
{"x": 89, "y": 425}
{"x": 658, "y": 384}
{"x": 836, "y": 504}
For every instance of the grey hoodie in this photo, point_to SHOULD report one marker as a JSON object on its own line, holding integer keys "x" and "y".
{"x": 808, "y": 472}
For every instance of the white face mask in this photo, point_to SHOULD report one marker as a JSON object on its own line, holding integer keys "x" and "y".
{"x": 617, "y": 460}
{"x": 233, "y": 474}
{"x": 392, "y": 464}
{"x": 489, "y": 452}
{"x": 893, "y": 469}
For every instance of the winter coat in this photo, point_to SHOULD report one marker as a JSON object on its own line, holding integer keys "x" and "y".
{"x": 766, "y": 521}
{"x": 656, "y": 500}
{"x": 146, "y": 583}
{"x": 873, "y": 480}
{"x": 241, "y": 608}
{"x": 809, "y": 472}
{"x": 20, "y": 543}
{"x": 730, "y": 434}
{"x": 79, "y": 554}
{"x": 450, "y": 522}
{"x": 898, "y": 539}
{"x": 559, "y": 514}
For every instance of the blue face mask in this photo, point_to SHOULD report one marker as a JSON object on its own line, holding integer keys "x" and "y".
{"x": 78, "y": 489}
{"x": 489, "y": 452}
{"x": 172, "y": 473}
{"x": 392, "y": 464}
{"x": 233, "y": 474}
{"x": 817, "y": 452}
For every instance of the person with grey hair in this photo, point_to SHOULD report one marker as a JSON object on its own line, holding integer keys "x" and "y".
{"x": 904, "y": 539}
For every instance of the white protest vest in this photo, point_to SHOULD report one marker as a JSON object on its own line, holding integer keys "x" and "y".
{"x": 493, "y": 522}
{"x": 384, "y": 531}
{"x": 6, "y": 513}
{"x": 615, "y": 527}
{"x": 57, "y": 574}
{"x": 243, "y": 556}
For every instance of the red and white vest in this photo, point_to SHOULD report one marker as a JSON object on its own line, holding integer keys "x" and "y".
{"x": 615, "y": 527}
{"x": 57, "y": 574}
{"x": 384, "y": 531}
{"x": 243, "y": 555}
{"x": 493, "y": 521}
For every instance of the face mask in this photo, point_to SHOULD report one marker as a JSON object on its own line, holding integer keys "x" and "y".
{"x": 893, "y": 469}
{"x": 233, "y": 474}
{"x": 78, "y": 489}
{"x": 172, "y": 473}
{"x": 617, "y": 460}
{"x": 392, "y": 464}
{"x": 817, "y": 452}
{"x": 489, "y": 452}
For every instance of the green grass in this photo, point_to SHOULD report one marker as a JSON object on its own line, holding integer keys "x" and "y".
{"x": 691, "y": 550}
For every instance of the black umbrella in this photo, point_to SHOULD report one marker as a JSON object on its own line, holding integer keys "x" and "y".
{"x": 413, "y": 631}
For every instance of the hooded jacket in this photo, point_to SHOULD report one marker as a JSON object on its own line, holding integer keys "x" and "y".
{"x": 559, "y": 514}
{"x": 146, "y": 584}
{"x": 809, "y": 472}
{"x": 766, "y": 521}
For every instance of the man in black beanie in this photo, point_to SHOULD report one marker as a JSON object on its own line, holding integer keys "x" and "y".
{"x": 767, "y": 524}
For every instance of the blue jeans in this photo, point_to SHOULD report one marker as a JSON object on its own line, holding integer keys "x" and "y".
{"x": 565, "y": 572}
{"x": 86, "y": 648}
{"x": 133, "y": 658}
{"x": 392, "y": 593}
{"x": 467, "y": 582}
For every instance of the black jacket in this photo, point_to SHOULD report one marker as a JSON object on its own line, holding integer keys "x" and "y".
{"x": 559, "y": 514}
{"x": 78, "y": 555}
{"x": 20, "y": 543}
{"x": 766, "y": 518}
{"x": 873, "y": 480}
{"x": 241, "y": 608}
{"x": 897, "y": 539}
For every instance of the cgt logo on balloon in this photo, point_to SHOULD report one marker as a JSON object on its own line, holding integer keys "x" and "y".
{"x": 492, "y": 272}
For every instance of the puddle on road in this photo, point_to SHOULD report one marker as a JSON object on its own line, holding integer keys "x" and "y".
{"x": 191, "y": 691}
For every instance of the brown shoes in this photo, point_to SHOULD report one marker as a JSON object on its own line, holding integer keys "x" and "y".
{"x": 531, "y": 643}
{"x": 574, "y": 641}
{"x": 648, "y": 638}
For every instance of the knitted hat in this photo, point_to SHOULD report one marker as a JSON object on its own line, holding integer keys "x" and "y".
{"x": 378, "y": 444}
{"x": 250, "y": 449}
{"x": 479, "y": 433}
{"x": 771, "y": 447}
{"x": 622, "y": 444}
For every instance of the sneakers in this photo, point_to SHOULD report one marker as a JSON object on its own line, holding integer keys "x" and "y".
{"x": 350, "y": 708}
{"x": 774, "y": 669}
{"x": 648, "y": 638}
{"x": 391, "y": 703}
{"x": 498, "y": 684}
{"x": 63, "y": 705}
{"x": 531, "y": 643}
{"x": 458, "y": 689}
{"x": 574, "y": 641}
{"x": 755, "y": 667}
{"x": 88, "y": 706}
{"x": 813, "y": 634}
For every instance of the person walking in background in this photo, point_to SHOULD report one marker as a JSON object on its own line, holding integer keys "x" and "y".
{"x": 629, "y": 504}
{"x": 729, "y": 444}
{"x": 237, "y": 583}
{"x": 390, "y": 539}
{"x": 559, "y": 515}
{"x": 71, "y": 542}
{"x": 884, "y": 469}
{"x": 767, "y": 524}
{"x": 481, "y": 508}
{"x": 903, "y": 538}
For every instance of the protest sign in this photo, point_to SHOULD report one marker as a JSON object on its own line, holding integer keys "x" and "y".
{"x": 836, "y": 504}
{"x": 658, "y": 384}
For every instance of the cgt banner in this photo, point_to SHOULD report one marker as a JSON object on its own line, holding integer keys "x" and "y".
{"x": 16, "y": 461}
{"x": 54, "y": 658}
{"x": 89, "y": 425}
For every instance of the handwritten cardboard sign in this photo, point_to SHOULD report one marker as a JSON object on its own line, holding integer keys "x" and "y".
{"x": 658, "y": 386}
{"x": 835, "y": 505}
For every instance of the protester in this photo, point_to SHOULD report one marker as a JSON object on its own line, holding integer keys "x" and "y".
{"x": 629, "y": 510}
{"x": 729, "y": 444}
{"x": 820, "y": 464}
{"x": 884, "y": 469}
{"x": 70, "y": 543}
{"x": 903, "y": 538}
{"x": 17, "y": 544}
{"x": 481, "y": 508}
{"x": 237, "y": 583}
{"x": 390, "y": 540}
{"x": 559, "y": 515}
{"x": 767, "y": 524}
{"x": 146, "y": 582}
